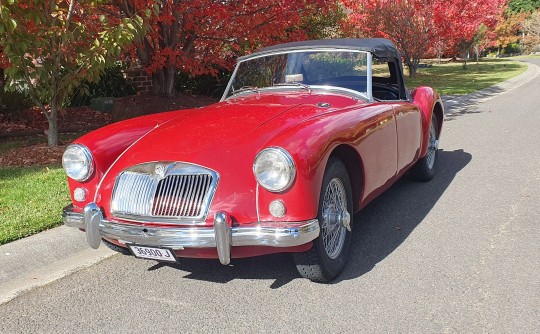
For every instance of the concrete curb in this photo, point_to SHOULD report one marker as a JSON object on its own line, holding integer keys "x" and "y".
{"x": 50, "y": 255}
{"x": 453, "y": 103}
{"x": 43, "y": 258}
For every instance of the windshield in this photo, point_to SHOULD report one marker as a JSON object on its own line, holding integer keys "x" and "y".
{"x": 301, "y": 70}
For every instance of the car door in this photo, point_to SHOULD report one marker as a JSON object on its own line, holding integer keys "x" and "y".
{"x": 378, "y": 148}
{"x": 409, "y": 134}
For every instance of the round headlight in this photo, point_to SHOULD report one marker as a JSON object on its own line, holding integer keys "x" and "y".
{"x": 78, "y": 162}
{"x": 274, "y": 169}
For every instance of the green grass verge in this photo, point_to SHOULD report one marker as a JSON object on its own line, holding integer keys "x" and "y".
{"x": 524, "y": 57}
{"x": 31, "y": 200}
{"x": 452, "y": 79}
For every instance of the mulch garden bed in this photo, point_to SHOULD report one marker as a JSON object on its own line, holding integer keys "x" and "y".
{"x": 31, "y": 128}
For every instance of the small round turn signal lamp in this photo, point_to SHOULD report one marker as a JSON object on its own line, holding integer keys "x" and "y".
{"x": 79, "y": 194}
{"x": 277, "y": 209}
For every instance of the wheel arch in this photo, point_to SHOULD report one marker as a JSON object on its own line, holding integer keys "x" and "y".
{"x": 439, "y": 112}
{"x": 355, "y": 168}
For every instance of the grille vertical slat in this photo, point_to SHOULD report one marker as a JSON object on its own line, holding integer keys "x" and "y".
{"x": 168, "y": 195}
{"x": 162, "y": 201}
{"x": 139, "y": 199}
{"x": 181, "y": 186}
{"x": 158, "y": 199}
{"x": 149, "y": 189}
{"x": 204, "y": 187}
{"x": 184, "y": 193}
{"x": 176, "y": 203}
{"x": 192, "y": 195}
{"x": 174, "y": 194}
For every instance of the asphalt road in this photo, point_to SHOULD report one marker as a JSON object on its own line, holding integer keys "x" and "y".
{"x": 459, "y": 254}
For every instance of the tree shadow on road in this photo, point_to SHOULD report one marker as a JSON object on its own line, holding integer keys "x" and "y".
{"x": 379, "y": 230}
{"x": 466, "y": 105}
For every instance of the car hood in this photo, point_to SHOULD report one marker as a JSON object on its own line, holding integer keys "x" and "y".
{"x": 223, "y": 124}
{"x": 230, "y": 123}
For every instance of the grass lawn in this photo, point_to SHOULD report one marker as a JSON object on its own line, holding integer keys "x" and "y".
{"x": 31, "y": 200}
{"x": 452, "y": 79}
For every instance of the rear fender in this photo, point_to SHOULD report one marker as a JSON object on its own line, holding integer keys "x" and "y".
{"x": 429, "y": 102}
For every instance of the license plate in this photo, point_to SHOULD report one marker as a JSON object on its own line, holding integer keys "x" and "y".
{"x": 153, "y": 253}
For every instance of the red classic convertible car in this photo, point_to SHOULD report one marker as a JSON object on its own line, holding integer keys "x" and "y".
{"x": 306, "y": 134}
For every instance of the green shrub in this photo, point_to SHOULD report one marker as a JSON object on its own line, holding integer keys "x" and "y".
{"x": 111, "y": 84}
{"x": 17, "y": 105}
{"x": 207, "y": 85}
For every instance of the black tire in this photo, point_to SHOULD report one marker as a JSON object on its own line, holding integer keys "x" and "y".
{"x": 116, "y": 248}
{"x": 323, "y": 264}
{"x": 424, "y": 169}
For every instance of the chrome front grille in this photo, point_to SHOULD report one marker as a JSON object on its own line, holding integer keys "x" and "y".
{"x": 165, "y": 192}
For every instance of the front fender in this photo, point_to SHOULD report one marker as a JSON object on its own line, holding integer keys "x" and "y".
{"x": 311, "y": 144}
{"x": 108, "y": 143}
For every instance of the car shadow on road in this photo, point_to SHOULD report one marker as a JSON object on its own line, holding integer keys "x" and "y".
{"x": 385, "y": 223}
{"x": 379, "y": 230}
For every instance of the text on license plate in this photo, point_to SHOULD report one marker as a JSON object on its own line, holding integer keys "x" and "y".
{"x": 161, "y": 254}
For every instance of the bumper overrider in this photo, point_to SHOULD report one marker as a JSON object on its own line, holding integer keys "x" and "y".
{"x": 221, "y": 236}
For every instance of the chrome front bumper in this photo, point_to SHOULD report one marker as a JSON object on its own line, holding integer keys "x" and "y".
{"x": 221, "y": 236}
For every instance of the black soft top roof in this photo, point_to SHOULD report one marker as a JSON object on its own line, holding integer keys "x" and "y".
{"x": 380, "y": 47}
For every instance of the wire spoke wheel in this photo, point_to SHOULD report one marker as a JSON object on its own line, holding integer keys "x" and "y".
{"x": 334, "y": 206}
{"x": 433, "y": 146}
{"x": 424, "y": 168}
{"x": 328, "y": 256}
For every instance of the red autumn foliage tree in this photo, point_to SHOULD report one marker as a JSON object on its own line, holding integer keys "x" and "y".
{"x": 199, "y": 36}
{"x": 458, "y": 22}
{"x": 418, "y": 26}
{"x": 405, "y": 22}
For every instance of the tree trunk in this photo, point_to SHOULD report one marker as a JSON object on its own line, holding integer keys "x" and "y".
{"x": 412, "y": 65}
{"x": 52, "y": 132}
{"x": 163, "y": 82}
{"x": 170, "y": 91}
{"x": 412, "y": 72}
{"x": 158, "y": 78}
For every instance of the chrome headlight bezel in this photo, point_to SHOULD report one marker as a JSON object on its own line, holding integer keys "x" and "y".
{"x": 274, "y": 169}
{"x": 78, "y": 162}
